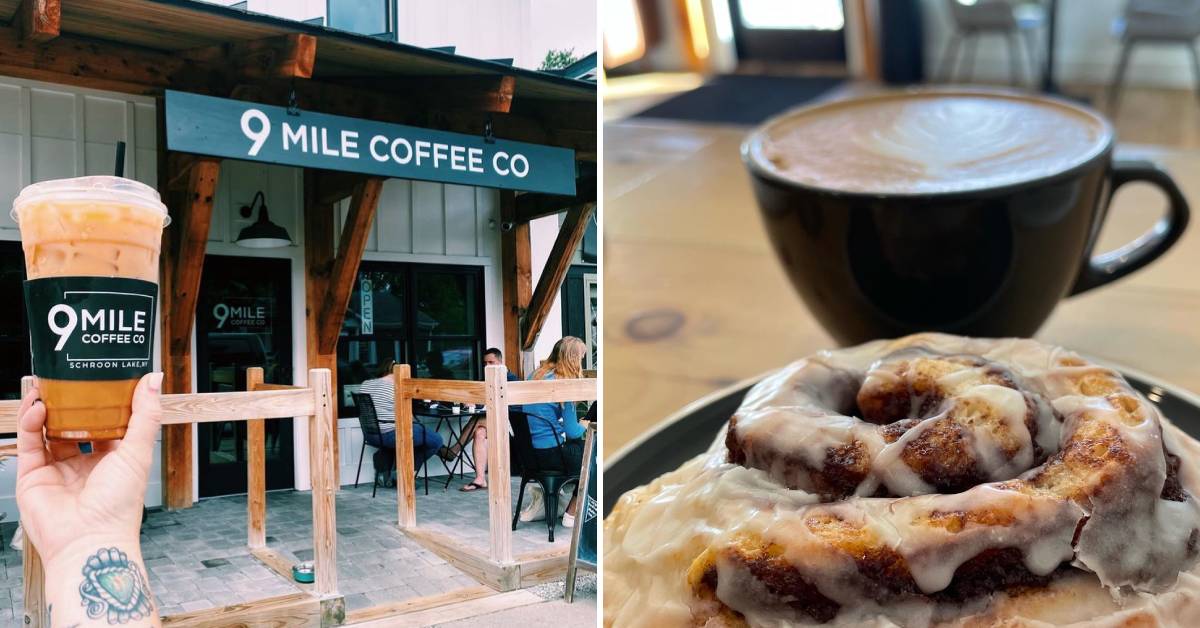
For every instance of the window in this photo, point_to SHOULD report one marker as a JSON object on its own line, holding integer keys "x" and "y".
{"x": 580, "y": 300}
{"x": 14, "y": 333}
{"x": 811, "y": 15}
{"x": 366, "y": 17}
{"x": 430, "y": 317}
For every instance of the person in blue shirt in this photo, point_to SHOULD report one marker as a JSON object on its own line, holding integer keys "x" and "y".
{"x": 551, "y": 424}
{"x": 476, "y": 432}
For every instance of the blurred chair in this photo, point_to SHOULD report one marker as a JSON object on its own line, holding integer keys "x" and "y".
{"x": 1155, "y": 22}
{"x": 993, "y": 17}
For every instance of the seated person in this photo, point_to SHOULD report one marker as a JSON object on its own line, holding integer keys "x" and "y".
{"x": 477, "y": 429}
{"x": 561, "y": 425}
{"x": 382, "y": 389}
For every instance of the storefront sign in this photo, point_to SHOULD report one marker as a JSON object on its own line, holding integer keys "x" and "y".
{"x": 241, "y": 130}
{"x": 238, "y": 314}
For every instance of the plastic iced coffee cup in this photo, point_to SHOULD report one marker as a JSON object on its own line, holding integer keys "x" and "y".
{"x": 91, "y": 254}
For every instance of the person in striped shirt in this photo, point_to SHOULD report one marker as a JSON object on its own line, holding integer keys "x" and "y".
{"x": 382, "y": 389}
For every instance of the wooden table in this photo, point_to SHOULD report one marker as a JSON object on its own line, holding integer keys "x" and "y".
{"x": 694, "y": 299}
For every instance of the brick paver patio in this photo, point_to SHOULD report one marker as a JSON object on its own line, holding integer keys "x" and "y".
{"x": 197, "y": 558}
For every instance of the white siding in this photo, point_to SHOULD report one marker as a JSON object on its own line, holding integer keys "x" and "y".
{"x": 51, "y": 131}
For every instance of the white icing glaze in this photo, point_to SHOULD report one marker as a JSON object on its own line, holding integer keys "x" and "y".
{"x": 1131, "y": 540}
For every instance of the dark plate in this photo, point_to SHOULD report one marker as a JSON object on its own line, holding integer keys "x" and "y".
{"x": 691, "y": 430}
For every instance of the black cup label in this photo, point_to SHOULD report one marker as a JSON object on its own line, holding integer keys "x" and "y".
{"x": 91, "y": 328}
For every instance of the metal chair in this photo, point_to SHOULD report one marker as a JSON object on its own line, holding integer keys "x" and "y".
{"x": 551, "y": 480}
{"x": 992, "y": 17}
{"x": 1155, "y": 22}
{"x": 368, "y": 422}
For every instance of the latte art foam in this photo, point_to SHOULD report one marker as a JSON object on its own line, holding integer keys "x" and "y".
{"x": 929, "y": 142}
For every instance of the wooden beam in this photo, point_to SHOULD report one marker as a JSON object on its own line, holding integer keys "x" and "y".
{"x": 406, "y": 483}
{"x": 191, "y": 221}
{"x": 381, "y": 612}
{"x": 499, "y": 484}
{"x": 570, "y": 234}
{"x": 39, "y": 20}
{"x": 454, "y": 390}
{"x": 281, "y": 57}
{"x": 295, "y": 610}
{"x": 355, "y": 231}
{"x": 182, "y": 260}
{"x": 867, "y": 21}
{"x": 256, "y": 471}
{"x": 281, "y": 565}
{"x": 318, "y": 263}
{"x": 468, "y": 559}
{"x": 85, "y": 62}
{"x": 517, "y": 278}
{"x": 531, "y": 206}
{"x": 551, "y": 391}
{"x": 188, "y": 408}
{"x": 322, "y": 467}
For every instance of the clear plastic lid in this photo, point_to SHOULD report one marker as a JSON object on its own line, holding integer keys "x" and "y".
{"x": 95, "y": 188}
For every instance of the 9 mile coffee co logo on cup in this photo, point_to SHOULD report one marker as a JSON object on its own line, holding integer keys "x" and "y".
{"x": 91, "y": 328}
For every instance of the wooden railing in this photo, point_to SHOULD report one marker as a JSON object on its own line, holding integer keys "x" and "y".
{"x": 322, "y": 604}
{"x": 498, "y": 567}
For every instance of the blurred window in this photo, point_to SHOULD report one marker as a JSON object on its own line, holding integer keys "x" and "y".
{"x": 825, "y": 15}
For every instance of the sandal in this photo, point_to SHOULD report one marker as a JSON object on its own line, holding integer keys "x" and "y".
{"x": 472, "y": 487}
{"x": 447, "y": 454}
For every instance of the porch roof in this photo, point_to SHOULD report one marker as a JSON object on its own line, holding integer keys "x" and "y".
{"x": 176, "y": 25}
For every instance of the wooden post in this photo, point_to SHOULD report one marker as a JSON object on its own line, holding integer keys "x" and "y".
{"x": 318, "y": 261}
{"x": 33, "y": 573}
{"x": 322, "y": 465}
{"x": 39, "y": 19}
{"x": 517, "y": 277}
{"x": 256, "y": 471}
{"x": 345, "y": 267}
{"x": 406, "y": 482}
{"x": 499, "y": 485}
{"x": 184, "y": 243}
{"x": 866, "y": 12}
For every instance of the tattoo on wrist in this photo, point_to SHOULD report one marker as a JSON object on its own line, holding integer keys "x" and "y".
{"x": 115, "y": 588}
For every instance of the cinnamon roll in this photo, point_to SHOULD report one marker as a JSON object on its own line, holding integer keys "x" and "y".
{"x": 930, "y": 480}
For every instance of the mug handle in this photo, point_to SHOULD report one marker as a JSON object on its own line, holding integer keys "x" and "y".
{"x": 1149, "y": 246}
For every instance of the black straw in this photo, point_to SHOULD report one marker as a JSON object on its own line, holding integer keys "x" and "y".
{"x": 120, "y": 168}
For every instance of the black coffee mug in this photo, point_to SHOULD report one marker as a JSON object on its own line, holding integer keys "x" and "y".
{"x": 991, "y": 262}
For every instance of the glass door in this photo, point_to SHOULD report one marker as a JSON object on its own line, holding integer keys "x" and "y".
{"x": 243, "y": 319}
{"x": 769, "y": 30}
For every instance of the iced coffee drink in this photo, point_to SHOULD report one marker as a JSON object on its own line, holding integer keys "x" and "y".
{"x": 91, "y": 250}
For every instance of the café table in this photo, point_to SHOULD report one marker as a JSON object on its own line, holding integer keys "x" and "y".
{"x": 455, "y": 423}
{"x": 695, "y": 301}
